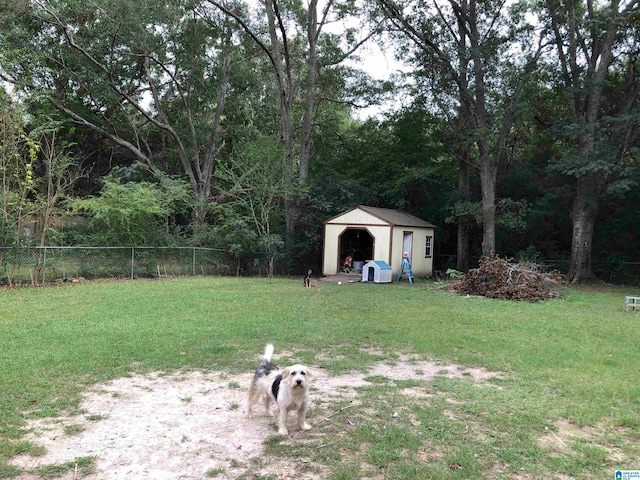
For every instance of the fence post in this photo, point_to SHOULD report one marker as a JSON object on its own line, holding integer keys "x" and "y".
{"x": 44, "y": 268}
{"x": 132, "y": 261}
{"x": 193, "y": 266}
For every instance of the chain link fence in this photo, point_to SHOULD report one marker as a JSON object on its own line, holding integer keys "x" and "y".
{"x": 41, "y": 265}
{"x": 628, "y": 274}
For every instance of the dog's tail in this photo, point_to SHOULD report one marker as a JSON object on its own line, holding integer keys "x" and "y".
{"x": 268, "y": 352}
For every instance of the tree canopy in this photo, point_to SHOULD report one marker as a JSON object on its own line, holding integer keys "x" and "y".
{"x": 236, "y": 124}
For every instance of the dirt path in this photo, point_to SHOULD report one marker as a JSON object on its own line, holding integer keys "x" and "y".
{"x": 186, "y": 425}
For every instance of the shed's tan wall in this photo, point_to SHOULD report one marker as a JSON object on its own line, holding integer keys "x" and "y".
{"x": 387, "y": 243}
{"x": 331, "y": 239}
{"x": 420, "y": 266}
{"x": 358, "y": 217}
{"x": 381, "y": 243}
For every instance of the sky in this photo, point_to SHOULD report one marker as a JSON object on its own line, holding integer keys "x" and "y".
{"x": 376, "y": 60}
{"x": 381, "y": 66}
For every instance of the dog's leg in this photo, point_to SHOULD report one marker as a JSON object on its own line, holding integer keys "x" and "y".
{"x": 267, "y": 406}
{"x": 282, "y": 421}
{"x": 252, "y": 399}
{"x": 302, "y": 417}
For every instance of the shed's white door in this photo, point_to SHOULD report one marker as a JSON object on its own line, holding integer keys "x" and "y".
{"x": 407, "y": 242}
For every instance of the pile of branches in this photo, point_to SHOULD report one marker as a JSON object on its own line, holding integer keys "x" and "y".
{"x": 501, "y": 279}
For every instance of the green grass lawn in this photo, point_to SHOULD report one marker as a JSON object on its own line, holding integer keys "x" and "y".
{"x": 573, "y": 359}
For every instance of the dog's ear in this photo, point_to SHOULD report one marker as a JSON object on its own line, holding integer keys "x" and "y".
{"x": 309, "y": 374}
{"x": 286, "y": 373}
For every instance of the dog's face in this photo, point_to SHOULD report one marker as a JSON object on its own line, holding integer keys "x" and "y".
{"x": 297, "y": 377}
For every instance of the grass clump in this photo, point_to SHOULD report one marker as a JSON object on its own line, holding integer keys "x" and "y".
{"x": 214, "y": 472}
{"x": 74, "y": 429}
{"x": 10, "y": 448}
{"x": 81, "y": 465}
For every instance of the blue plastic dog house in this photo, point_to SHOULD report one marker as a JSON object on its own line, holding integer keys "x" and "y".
{"x": 376, "y": 271}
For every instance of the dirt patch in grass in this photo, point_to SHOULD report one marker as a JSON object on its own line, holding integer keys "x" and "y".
{"x": 411, "y": 368}
{"x": 191, "y": 425}
{"x": 564, "y": 436}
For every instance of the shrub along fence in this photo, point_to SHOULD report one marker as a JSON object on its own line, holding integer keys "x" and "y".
{"x": 40, "y": 265}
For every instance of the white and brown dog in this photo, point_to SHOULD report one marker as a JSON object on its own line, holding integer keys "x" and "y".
{"x": 289, "y": 388}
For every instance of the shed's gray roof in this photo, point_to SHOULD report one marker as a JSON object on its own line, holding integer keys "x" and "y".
{"x": 393, "y": 217}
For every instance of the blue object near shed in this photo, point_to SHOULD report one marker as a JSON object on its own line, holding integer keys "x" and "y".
{"x": 376, "y": 271}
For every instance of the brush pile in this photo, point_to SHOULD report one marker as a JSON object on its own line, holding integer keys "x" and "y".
{"x": 501, "y": 279}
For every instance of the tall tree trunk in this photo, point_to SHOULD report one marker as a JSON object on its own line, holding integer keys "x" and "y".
{"x": 583, "y": 218}
{"x": 471, "y": 66}
{"x": 278, "y": 51}
{"x": 585, "y": 206}
{"x": 309, "y": 104}
{"x": 585, "y": 67}
{"x": 289, "y": 86}
{"x": 488, "y": 176}
{"x": 488, "y": 163}
{"x": 464, "y": 223}
{"x": 463, "y": 259}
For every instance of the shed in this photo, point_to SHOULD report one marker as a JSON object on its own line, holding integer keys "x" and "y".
{"x": 377, "y": 271}
{"x": 371, "y": 233}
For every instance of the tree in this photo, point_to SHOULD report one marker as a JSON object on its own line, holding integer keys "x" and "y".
{"x": 61, "y": 171}
{"x": 465, "y": 51}
{"x": 239, "y": 239}
{"x": 134, "y": 213}
{"x": 18, "y": 153}
{"x": 37, "y": 167}
{"x": 591, "y": 40}
{"x": 299, "y": 49}
{"x": 152, "y": 79}
{"x": 254, "y": 184}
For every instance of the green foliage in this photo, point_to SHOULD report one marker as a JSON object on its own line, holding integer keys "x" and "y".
{"x": 239, "y": 239}
{"x": 398, "y": 163}
{"x": 102, "y": 63}
{"x": 529, "y": 255}
{"x": 463, "y": 209}
{"x": 134, "y": 213}
{"x": 255, "y": 181}
{"x": 18, "y": 159}
{"x": 453, "y": 274}
{"x": 406, "y": 160}
{"x": 510, "y": 214}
